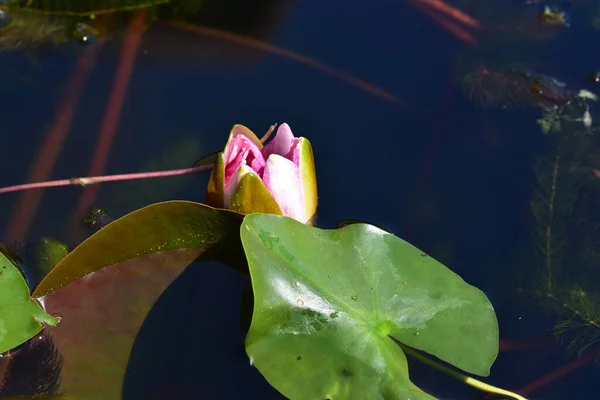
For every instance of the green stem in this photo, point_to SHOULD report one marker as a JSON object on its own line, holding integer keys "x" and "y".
{"x": 477, "y": 384}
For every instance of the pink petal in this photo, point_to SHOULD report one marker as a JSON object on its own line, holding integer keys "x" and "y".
{"x": 281, "y": 144}
{"x": 294, "y": 153}
{"x": 282, "y": 178}
{"x": 242, "y": 151}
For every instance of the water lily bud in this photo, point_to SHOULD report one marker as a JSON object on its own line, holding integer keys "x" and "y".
{"x": 277, "y": 178}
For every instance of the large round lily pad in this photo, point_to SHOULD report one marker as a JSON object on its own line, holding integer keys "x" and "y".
{"x": 328, "y": 302}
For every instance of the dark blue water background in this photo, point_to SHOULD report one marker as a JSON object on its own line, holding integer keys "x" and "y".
{"x": 370, "y": 154}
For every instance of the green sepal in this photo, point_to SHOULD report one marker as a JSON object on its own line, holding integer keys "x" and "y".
{"x": 252, "y": 196}
{"x": 308, "y": 177}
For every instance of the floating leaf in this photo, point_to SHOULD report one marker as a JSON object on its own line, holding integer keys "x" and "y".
{"x": 101, "y": 317}
{"x": 42, "y": 256}
{"x": 127, "y": 264}
{"x": 328, "y": 302}
{"x": 160, "y": 227}
{"x": 21, "y": 317}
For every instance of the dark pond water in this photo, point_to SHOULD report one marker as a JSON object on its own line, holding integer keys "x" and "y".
{"x": 433, "y": 136}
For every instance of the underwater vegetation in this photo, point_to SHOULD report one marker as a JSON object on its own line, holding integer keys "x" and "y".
{"x": 514, "y": 87}
{"x": 27, "y": 23}
{"x": 567, "y": 238}
{"x": 562, "y": 266}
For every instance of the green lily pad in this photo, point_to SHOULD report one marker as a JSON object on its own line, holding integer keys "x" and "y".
{"x": 21, "y": 317}
{"x": 160, "y": 227}
{"x": 329, "y": 302}
{"x": 41, "y": 256}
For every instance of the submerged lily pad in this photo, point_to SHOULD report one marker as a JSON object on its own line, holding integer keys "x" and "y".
{"x": 21, "y": 317}
{"x": 126, "y": 266}
{"x": 101, "y": 317}
{"x": 160, "y": 227}
{"x": 41, "y": 256}
{"x": 328, "y": 302}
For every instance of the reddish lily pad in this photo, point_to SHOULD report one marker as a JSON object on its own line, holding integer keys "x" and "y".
{"x": 171, "y": 225}
{"x": 101, "y": 317}
{"x": 106, "y": 286}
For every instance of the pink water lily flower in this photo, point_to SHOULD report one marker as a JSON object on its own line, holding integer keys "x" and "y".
{"x": 278, "y": 178}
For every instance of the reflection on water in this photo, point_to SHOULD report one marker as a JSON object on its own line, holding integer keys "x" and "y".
{"x": 34, "y": 370}
{"x": 467, "y": 128}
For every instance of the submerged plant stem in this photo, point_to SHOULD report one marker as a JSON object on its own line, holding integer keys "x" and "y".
{"x": 549, "y": 226}
{"x": 26, "y": 207}
{"x": 110, "y": 121}
{"x": 91, "y": 180}
{"x": 477, "y": 384}
{"x": 290, "y": 55}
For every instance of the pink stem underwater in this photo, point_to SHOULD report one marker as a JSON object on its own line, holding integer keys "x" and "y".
{"x": 26, "y": 207}
{"x": 112, "y": 115}
{"x": 91, "y": 180}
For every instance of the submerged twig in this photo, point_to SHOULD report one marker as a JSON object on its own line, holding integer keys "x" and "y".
{"x": 108, "y": 129}
{"x": 91, "y": 180}
{"x": 558, "y": 373}
{"x": 290, "y": 55}
{"x": 26, "y": 207}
